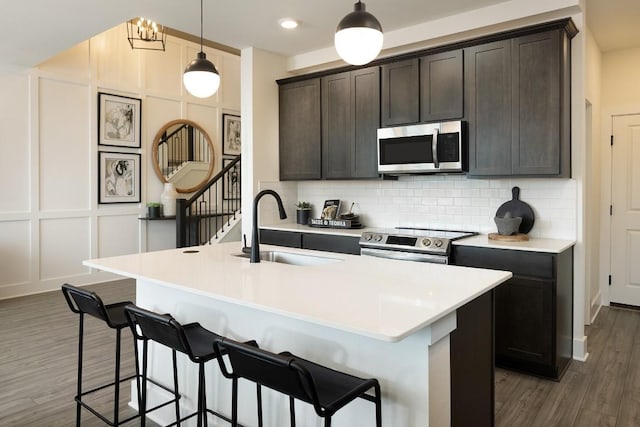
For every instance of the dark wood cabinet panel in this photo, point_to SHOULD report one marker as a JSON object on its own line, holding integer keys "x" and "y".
{"x": 472, "y": 364}
{"x": 533, "y": 310}
{"x": 365, "y": 85}
{"x": 518, "y": 106}
{"x": 337, "y": 137}
{"x": 314, "y": 241}
{"x": 537, "y": 102}
{"x": 350, "y": 120}
{"x": 488, "y": 108}
{"x": 441, "y": 86}
{"x": 400, "y": 93}
{"x": 300, "y": 144}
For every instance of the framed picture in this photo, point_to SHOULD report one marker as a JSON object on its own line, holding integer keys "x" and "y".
{"x": 231, "y": 181}
{"x": 231, "y": 142}
{"x": 119, "y": 177}
{"x": 118, "y": 120}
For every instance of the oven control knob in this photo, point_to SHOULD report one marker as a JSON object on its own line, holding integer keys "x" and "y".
{"x": 426, "y": 242}
{"x": 377, "y": 237}
{"x": 438, "y": 243}
{"x": 367, "y": 237}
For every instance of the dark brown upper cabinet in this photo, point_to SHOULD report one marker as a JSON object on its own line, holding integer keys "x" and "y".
{"x": 300, "y": 130}
{"x": 518, "y": 106}
{"x": 350, "y": 120}
{"x": 400, "y": 93}
{"x": 441, "y": 86}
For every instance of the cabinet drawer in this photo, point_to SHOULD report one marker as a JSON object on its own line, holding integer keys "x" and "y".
{"x": 520, "y": 263}
{"x": 331, "y": 243}
{"x": 281, "y": 238}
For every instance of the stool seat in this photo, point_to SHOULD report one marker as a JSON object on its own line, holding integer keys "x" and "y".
{"x": 328, "y": 390}
{"x": 191, "y": 339}
{"x": 84, "y": 302}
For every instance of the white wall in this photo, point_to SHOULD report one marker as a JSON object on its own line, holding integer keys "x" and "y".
{"x": 49, "y": 216}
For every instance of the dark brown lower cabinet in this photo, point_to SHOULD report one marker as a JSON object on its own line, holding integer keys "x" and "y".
{"x": 472, "y": 364}
{"x": 533, "y": 310}
{"x": 314, "y": 241}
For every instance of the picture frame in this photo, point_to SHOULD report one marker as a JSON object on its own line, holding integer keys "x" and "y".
{"x": 231, "y": 183}
{"x": 118, "y": 177}
{"x": 119, "y": 120}
{"x": 231, "y": 138}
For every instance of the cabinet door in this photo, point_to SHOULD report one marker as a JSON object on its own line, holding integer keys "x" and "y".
{"x": 365, "y": 87}
{"x": 400, "y": 93}
{"x": 488, "y": 93}
{"x": 337, "y": 137}
{"x": 300, "y": 156}
{"x": 524, "y": 321}
{"x": 441, "y": 86}
{"x": 536, "y": 104}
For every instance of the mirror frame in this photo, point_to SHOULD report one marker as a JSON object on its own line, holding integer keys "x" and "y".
{"x": 156, "y": 160}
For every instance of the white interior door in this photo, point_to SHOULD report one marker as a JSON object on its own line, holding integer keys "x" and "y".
{"x": 625, "y": 220}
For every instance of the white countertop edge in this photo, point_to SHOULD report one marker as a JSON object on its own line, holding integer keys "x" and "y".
{"x": 535, "y": 244}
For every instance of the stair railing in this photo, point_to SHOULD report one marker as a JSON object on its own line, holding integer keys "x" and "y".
{"x": 204, "y": 216}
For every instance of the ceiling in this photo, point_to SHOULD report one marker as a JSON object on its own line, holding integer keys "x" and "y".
{"x": 30, "y": 35}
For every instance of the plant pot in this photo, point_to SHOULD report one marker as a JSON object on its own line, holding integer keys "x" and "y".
{"x": 153, "y": 212}
{"x": 302, "y": 216}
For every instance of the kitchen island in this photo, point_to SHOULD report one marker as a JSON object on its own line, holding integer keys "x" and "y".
{"x": 368, "y": 316}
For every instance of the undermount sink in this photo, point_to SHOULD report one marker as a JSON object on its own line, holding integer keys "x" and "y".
{"x": 292, "y": 259}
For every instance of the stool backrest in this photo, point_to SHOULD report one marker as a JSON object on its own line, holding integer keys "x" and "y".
{"x": 277, "y": 371}
{"x": 162, "y": 328}
{"x": 83, "y": 301}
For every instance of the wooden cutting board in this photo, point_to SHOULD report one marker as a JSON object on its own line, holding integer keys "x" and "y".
{"x": 520, "y": 237}
{"x": 518, "y": 208}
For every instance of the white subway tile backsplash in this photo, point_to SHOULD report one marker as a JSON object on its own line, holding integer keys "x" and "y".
{"x": 439, "y": 201}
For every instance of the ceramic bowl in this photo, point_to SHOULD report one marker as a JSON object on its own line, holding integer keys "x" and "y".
{"x": 508, "y": 225}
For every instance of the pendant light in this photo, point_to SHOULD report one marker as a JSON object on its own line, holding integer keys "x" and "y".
{"x": 201, "y": 77}
{"x": 358, "y": 38}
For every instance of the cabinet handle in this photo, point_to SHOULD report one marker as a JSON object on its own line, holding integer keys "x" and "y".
{"x": 434, "y": 149}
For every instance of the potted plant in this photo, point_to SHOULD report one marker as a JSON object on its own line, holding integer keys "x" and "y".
{"x": 303, "y": 212}
{"x": 153, "y": 210}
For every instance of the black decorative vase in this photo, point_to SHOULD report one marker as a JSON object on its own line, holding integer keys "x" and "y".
{"x": 302, "y": 216}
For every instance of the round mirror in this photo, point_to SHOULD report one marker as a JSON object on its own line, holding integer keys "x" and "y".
{"x": 183, "y": 155}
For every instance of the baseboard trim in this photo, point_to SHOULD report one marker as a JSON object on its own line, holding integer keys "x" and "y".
{"x": 580, "y": 349}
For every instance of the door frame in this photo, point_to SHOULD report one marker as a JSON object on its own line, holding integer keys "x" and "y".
{"x": 606, "y": 185}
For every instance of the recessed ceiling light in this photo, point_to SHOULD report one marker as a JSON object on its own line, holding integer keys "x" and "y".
{"x": 288, "y": 23}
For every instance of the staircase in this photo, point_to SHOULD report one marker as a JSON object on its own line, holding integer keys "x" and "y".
{"x": 212, "y": 213}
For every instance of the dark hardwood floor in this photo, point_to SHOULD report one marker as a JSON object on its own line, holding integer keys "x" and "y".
{"x": 38, "y": 337}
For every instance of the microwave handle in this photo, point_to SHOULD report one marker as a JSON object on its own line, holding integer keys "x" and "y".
{"x": 434, "y": 149}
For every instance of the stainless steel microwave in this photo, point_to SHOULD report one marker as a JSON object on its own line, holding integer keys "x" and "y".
{"x": 423, "y": 148}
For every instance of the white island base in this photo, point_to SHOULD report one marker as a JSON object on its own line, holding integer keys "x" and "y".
{"x": 407, "y": 370}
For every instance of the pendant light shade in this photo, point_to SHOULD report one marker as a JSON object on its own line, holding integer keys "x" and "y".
{"x": 358, "y": 38}
{"x": 200, "y": 78}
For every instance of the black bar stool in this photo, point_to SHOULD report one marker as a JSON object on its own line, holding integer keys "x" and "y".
{"x": 326, "y": 389}
{"x": 84, "y": 302}
{"x": 191, "y": 339}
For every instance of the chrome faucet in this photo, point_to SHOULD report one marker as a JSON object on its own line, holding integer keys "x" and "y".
{"x": 255, "y": 239}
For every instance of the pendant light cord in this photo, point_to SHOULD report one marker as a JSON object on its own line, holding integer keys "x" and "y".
{"x": 201, "y": 24}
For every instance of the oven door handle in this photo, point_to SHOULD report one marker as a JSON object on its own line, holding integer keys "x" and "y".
{"x": 405, "y": 256}
{"x": 434, "y": 149}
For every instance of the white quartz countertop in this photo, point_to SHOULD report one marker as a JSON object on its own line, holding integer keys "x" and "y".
{"x": 534, "y": 244}
{"x": 379, "y": 298}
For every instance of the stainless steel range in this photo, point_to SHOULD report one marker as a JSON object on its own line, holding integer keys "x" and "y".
{"x": 411, "y": 244}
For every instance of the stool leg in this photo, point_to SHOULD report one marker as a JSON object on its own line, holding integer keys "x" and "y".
{"x": 378, "y": 403}
{"x": 234, "y": 402}
{"x": 143, "y": 391}
{"x": 176, "y": 394}
{"x": 116, "y": 404}
{"x": 138, "y": 379}
{"x": 292, "y": 411}
{"x": 79, "y": 383}
{"x": 327, "y": 422}
{"x": 201, "y": 405}
{"x": 259, "y": 393}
